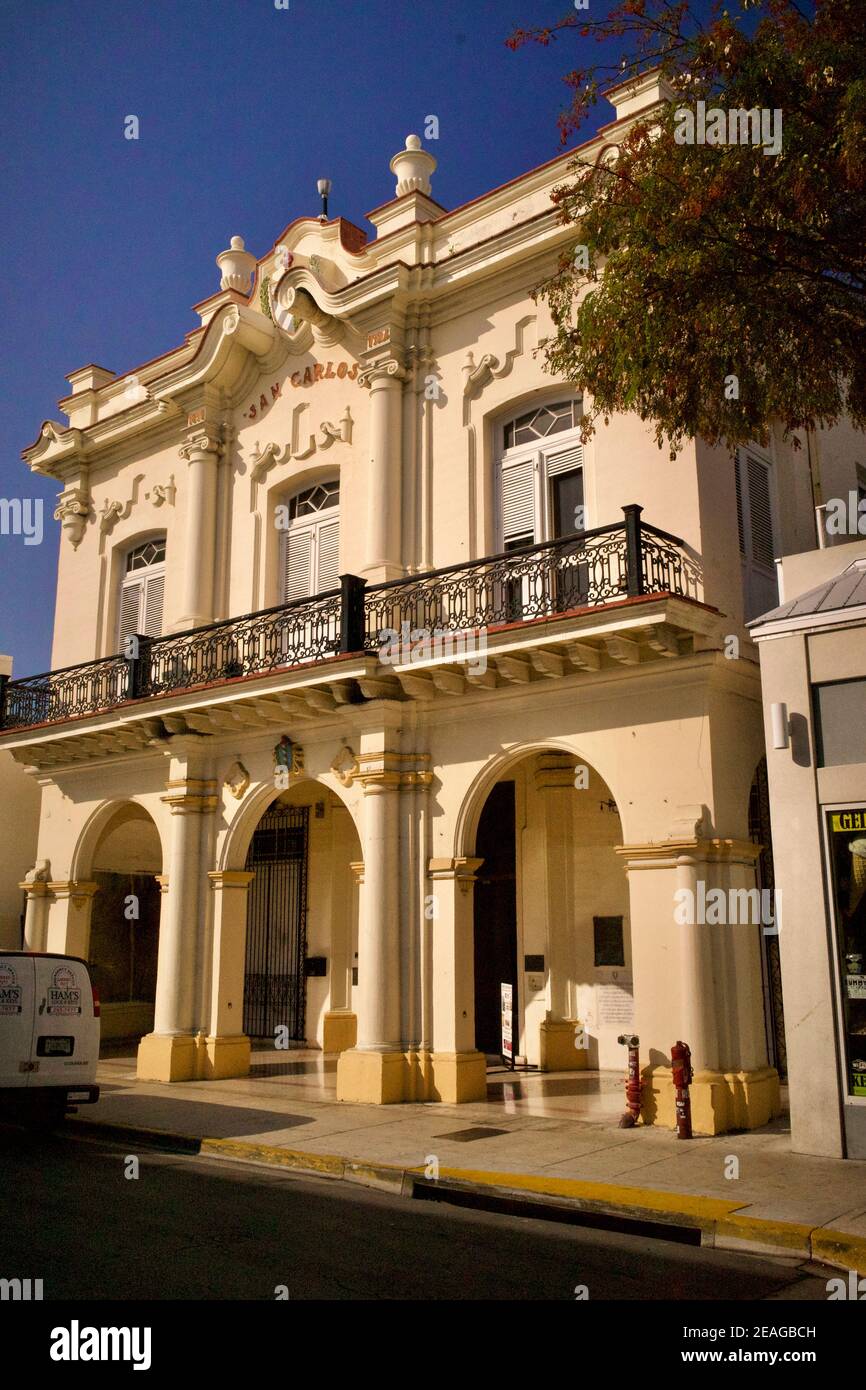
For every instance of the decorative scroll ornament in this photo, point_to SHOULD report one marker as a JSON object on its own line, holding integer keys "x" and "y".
{"x": 40, "y": 873}
{"x": 112, "y": 512}
{"x": 163, "y": 492}
{"x": 265, "y": 458}
{"x": 72, "y": 511}
{"x": 345, "y": 766}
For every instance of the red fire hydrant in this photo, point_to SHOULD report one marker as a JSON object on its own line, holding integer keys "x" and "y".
{"x": 681, "y": 1061}
{"x": 632, "y": 1084}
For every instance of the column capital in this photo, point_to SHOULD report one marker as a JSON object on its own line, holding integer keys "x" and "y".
{"x": 384, "y": 373}
{"x": 357, "y": 868}
{"x": 662, "y": 854}
{"x": 162, "y": 880}
{"x": 461, "y": 871}
{"x": 382, "y": 770}
{"x": 79, "y": 892}
{"x": 35, "y": 888}
{"x": 230, "y": 878}
{"x": 200, "y": 443}
{"x": 190, "y": 795}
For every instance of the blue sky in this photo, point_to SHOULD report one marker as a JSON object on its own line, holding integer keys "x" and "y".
{"x": 107, "y": 242}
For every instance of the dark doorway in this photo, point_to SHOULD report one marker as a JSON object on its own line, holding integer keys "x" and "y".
{"x": 495, "y": 916}
{"x": 274, "y": 979}
{"x": 759, "y": 831}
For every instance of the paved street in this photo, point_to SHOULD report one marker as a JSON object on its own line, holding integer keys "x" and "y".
{"x": 202, "y": 1228}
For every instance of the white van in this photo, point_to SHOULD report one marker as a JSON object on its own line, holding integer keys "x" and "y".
{"x": 49, "y": 1034}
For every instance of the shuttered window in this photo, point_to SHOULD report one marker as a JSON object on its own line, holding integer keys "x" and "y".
{"x": 756, "y": 533}
{"x": 142, "y": 592}
{"x": 541, "y": 483}
{"x": 310, "y": 558}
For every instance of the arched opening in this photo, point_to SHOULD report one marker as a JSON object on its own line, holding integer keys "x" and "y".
{"x": 300, "y": 964}
{"x": 125, "y": 863}
{"x": 551, "y": 916}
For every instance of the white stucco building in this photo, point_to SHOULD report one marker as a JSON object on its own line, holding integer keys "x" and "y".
{"x": 287, "y": 803}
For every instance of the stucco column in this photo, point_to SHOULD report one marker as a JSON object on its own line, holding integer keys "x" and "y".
{"x": 693, "y": 982}
{"x": 227, "y": 1048}
{"x": 383, "y": 549}
{"x": 201, "y": 453}
{"x": 71, "y": 903}
{"x": 169, "y": 1052}
{"x": 459, "y": 1070}
{"x": 36, "y": 887}
{"x": 554, "y": 784}
{"x": 373, "y": 1070}
{"x": 339, "y": 1025}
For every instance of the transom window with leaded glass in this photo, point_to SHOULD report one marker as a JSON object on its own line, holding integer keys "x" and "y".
{"x": 151, "y": 553}
{"x": 314, "y": 499}
{"x": 542, "y": 422}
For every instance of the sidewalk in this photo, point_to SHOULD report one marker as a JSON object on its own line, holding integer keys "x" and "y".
{"x": 550, "y": 1138}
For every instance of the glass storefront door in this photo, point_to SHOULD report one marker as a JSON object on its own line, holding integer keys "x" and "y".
{"x": 846, "y": 837}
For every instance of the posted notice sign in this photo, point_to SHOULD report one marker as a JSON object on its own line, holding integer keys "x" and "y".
{"x": 507, "y": 1037}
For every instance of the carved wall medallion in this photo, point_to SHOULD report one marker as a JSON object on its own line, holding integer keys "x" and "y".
{"x": 345, "y": 765}
{"x": 237, "y": 779}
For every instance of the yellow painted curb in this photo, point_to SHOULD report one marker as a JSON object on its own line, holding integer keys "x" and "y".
{"x": 723, "y": 1219}
{"x": 839, "y": 1248}
{"x": 329, "y": 1164}
{"x": 703, "y": 1211}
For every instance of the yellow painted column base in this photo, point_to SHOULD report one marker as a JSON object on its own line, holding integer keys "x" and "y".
{"x": 557, "y": 1051}
{"x": 167, "y": 1057}
{"x": 458, "y": 1077}
{"x": 340, "y": 1031}
{"x": 224, "y": 1056}
{"x": 721, "y": 1101}
{"x": 371, "y": 1078}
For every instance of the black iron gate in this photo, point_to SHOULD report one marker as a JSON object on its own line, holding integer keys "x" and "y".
{"x": 274, "y": 980}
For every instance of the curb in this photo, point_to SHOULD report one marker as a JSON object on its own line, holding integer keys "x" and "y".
{"x": 722, "y": 1224}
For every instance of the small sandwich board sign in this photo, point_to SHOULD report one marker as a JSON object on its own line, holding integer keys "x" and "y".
{"x": 507, "y": 1017}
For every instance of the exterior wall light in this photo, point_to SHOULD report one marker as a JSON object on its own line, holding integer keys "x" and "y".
{"x": 779, "y": 724}
{"x": 324, "y": 188}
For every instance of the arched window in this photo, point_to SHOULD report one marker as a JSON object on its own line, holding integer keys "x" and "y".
{"x": 310, "y": 549}
{"x": 541, "y": 476}
{"x": 142, "y": 591}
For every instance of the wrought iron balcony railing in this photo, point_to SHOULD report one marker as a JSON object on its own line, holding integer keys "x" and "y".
{"x": 529, "y": 582}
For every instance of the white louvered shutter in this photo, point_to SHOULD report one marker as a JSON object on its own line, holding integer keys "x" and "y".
{"x": 518, "y": 502}
{"x": 154, "y": 594}
{"x": 297, "y": 565}
{"x": 328, "y": 561}
{"x": 130, "y": 609}
{"x": 564, "y": 461}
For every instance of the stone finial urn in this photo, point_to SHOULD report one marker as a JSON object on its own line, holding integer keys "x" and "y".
{"x": 237, "y": 266}
{"x": 413, "y": 167}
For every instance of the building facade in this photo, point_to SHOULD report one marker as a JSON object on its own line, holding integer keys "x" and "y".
{"x": 813, "y": 667}
{"x": 375, "y": 688}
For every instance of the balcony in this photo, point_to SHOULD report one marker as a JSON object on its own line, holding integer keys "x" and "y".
{"x": 501, "y": 594}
